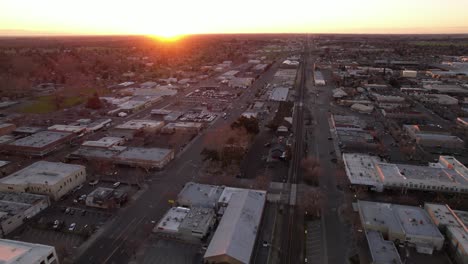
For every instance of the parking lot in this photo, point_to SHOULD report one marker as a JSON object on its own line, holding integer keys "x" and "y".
{"x": 166, "y": 251}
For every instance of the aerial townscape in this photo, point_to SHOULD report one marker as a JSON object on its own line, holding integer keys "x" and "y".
{"x": 278, "y": 148}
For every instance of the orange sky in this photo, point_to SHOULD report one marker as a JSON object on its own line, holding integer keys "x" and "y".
{"x": 175, "y": 17}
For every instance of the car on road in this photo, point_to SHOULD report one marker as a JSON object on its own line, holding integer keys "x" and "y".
{"x": 67, "y": 210}
{"x": 267, "y": 144}
{"x": 56, "y": 224}
{"x": 92, "y": 183}
{"x": 265, "y": 244}
{"x": 72, "y": 227}
{"x": 115, "y": 185}
{"x": 82, "y": 197}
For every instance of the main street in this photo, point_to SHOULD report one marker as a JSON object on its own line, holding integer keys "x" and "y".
{"x": 120, "y": 238}
{"x": 335, "y": 233}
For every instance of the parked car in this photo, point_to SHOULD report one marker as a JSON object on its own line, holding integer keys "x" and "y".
{"x": 92, "y": 183}
{"x": 72, "y": 227}
{"x": 67, "y": 210}
{"x": 115, "y": 185}
{"x": 56, "y": 224}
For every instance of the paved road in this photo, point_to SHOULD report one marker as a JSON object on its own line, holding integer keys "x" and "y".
{"x": 128, "y": 230}
{"x": 334, "y": 231}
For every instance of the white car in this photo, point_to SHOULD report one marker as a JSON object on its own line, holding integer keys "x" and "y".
{"x": 72, "y": 227}
{"x": 117, "y": 184}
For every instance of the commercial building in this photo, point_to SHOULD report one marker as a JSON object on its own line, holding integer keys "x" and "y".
{"x": 183, "y": 223}
{"x": 234, "y": 239}
{"x": 18, "y": 252}
{"x": 240, "y": 82}
{"x": 429, "y": 136}
{"x": 185, "y": 127}
{"x": 279, "y": 94}
{"x": 130, "y": 128}
{"x": 402, "y": 224}
{"x": 78, "y": 130}
{"x": 382, "y": 251}
{"x": 400, "y": 115}
{"x": 454, "y": 89}
{"x": 145, "y": 157}
{"x": 106, "y": 198}
{"x": 40, "y": 144}
{"x": 318, "y": 78}
{"x": 6, "y": 128}
{"x": 105, "y": 142}
{"x": 362, "y": 108}
{"x": 26, "y": 130}
{"x": 15, "y": 208}
{"x": 453, "y": 224}
{"x": 148, "y": 158}
{"x": 199, "y": 195}
{"x": 447, "y": 175}
{"x": 54, "y": 179}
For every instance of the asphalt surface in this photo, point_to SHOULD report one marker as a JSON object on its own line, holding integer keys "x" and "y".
{"x": 335, "y": 233}
{"x": 120, "y": 238}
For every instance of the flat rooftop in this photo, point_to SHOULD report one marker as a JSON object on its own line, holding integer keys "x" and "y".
{"x": 172, "y": 219}
{"x": 237, "y": 231}
{"x": 104, "y": 142}
{"x": 42, "y": 172}
{"x": 200, "y": 195}
{"x": 149, "y": 154}
{"x": 140, "y": 124}
{"x": 382, "y": 251}
{"x": 17, "y": 252}
{"x": 410, "y": 220}
{"x": 279, "y": 94}
{"x": 28, "y": 130}
{"x": 41, "y": 139}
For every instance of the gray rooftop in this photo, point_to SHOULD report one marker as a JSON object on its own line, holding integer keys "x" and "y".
{"x": 16, "y": 203}
{"x": 42, "y": 172}
{"x": 279, "y": 94}
{"x": 409, "y": 220}
{"x": 236, "y": 233}
{"x": 199, "y": 195}
{"x": 382, "y": 251}
{"x": 41, "y": 139}
{"x": 149, "y": 154}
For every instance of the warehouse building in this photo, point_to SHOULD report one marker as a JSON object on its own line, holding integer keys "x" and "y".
{"x": 145, "y": 157}
{"x": 78, "y": 130}
{"x": 18, "y": 252}
{"x": 234, "y": 239}
{"x": 318, "y": 78}
{"x": 382, "y": 251}
{"x": 40, "y": 144}
{"x": 105, "y": 142}
{"x": 199, "y": 195}
{"x": 453, "y": 224}
{"x": 184, "y": 127}
{"x": 54, "y": 179}
{"x": 130, "y": 128}
{"x": 441, "y": 99}
{"x": 402, "y": 224}
{"x": 279, "y": 94}
{"x": 16, "y": 208}
{"x": 447, "y": 175}
{"x": 192, "y": 224}
{"x": 430, "y": 136}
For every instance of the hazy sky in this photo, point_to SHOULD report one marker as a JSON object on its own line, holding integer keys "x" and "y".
{"x": 172, "y": 17}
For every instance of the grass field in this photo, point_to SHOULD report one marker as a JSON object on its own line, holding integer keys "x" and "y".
{"x": 46, "y": 104}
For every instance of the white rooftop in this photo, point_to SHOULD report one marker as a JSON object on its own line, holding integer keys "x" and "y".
{"x": 104, "y": 142}
{"x": 237, "y": 231}
{"x": 279, "y": 94}
{"x": 41, "y": 172}
{"x": 172, "y": 219}
{"x": 17, "y": 252}
{"x": 41, "y": 139}
{"x": 150, "y": 154}
{"x": 140, "y": 124}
